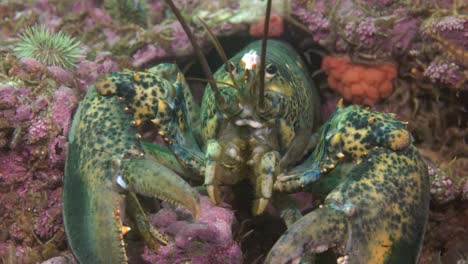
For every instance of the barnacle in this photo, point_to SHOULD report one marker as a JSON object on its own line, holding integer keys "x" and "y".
{"x": 57, "y": 49}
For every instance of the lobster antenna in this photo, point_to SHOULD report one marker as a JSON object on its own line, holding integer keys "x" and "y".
{"x": 205, "y": 80}
{"x": 201, "y": 57}
{"x": 221, "y": 53}
{"x": 261, "y": 88}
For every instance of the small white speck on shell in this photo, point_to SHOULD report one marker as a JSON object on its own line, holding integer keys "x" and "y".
{"x": 121, "y": 182}
{"x": 250, "y": 60}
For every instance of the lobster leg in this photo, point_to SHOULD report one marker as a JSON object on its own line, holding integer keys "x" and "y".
{"x": 222, "y": 166}
{"x": 265, "y": 170}
{"x": 264, "y": 173}
{"x": 213, "y": 171}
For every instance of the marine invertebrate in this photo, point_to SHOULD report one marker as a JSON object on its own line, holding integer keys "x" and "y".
{"x": 447, "y": 28}
{"x": 234, "y": 134}
{"x": 174, "y": 115}
{"x": 58, "y": 49}
{"x": 281, "y": 60}
{"x": 316, "y": 23}
{"x": 358, "y": 83}
{"x": 444, "y": 72}
{"x": 428, "y": 119}
{"x": 448, "y": 182}
{"x": 366, "y": 32}
{"x": 377, "y": 212}
{"x": 135, "y": 174}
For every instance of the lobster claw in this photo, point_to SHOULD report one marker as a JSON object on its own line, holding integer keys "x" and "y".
{"x": 99, "y": 165}
{"x": 378, "y": 212}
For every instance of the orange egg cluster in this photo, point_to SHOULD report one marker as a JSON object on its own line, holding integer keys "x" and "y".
{"x": 359, "y": 83}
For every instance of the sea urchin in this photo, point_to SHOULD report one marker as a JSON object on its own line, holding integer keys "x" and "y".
{"x": 57, "y": 49}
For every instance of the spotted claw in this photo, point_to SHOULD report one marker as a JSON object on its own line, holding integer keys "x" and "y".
{"x": 378, "y": 212}
{"x": 376, "y": 215}
{"x": 105, "y": 167}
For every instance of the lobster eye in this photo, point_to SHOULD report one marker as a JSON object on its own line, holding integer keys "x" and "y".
{"x": 270, "y": 71}
{"x": 233, "y": 68}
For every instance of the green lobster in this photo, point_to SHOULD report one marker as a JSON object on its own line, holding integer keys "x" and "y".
{"x": 376, "y": 213}
{"x": 226, "y": 143}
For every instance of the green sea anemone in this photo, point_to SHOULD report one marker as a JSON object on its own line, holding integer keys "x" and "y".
{"x": 57, "y": 49}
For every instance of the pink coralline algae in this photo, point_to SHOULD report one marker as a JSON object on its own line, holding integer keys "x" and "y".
{"x": 60, "y": 75}
{"x": 49, "y": 220}
{"x": 180, "y": 43}
{"x": 88, "y": 71}
{"x": 65, "y": 101}
{"x": 111, "y": 36}
{"x": 23, "y": 113}
{"x": 147, "y": 54}
{"x": 362, "y": 33}
{"x": 14, "y": 108}
{"x": 31, "y": 65}
{"x": 12, "y": 169}
{"x": 443, "y": 190}
{"x": 209, "y": 240}
{"x": 377, "y": 3}
{"x": 98, "y": 15}
{"x": 31, "y": 202}
{"x": 38, "y": 130}
{"x": 36, "y": 110}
